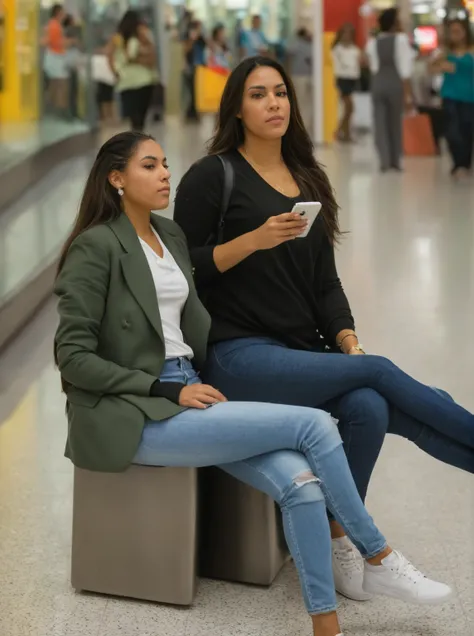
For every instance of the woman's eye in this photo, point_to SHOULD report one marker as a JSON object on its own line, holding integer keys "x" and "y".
{"x": 149, "y": 166}
{"x": 256, "y": 95}
{"x": 282, "y": 94}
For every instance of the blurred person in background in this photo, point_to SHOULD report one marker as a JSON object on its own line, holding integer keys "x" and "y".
{"x": 390, "y": 59}
{"x": 105, "y": 81}
{"x": 72, "y": 32}
{"x": 55, "y": 61}
{"x": 426, "y": 100}
{"x": 184, "y": 23}
{"x": 132, "y": 58}
{"x": 456, "y": 63}
{"x": 253, "y": 41}
{"x": 195, "y": 47}
{"x": 347, "y": 58}
{"x": 301, "y": 63}
{"x": 219, "y": 52}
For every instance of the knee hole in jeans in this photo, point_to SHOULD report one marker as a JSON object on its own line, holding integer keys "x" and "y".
{"x": 305, "y": 488}
{"x": 305, "y": 478}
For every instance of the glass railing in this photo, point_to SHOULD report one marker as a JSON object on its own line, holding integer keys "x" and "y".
{"x": 34, "y": 228}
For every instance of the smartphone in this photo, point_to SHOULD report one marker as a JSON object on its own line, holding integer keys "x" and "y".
{"x": 310, "y": 211}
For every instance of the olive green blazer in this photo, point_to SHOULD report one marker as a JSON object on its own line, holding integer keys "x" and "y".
{"x": 110, "y": 344}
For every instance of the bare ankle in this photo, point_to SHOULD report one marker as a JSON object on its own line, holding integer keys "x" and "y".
{"x": 326, "y": 624}
{"x": 377, "y": 560}
{"x": 337, "y": 531}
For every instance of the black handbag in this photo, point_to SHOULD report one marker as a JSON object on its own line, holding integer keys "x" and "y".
{"x": 217, "y": 237}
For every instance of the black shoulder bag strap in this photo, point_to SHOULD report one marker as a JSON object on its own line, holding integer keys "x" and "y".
{"x": 229, "y": 177}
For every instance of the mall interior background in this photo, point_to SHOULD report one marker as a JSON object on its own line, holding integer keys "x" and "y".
{"x": 33, "y": 140}
{"x": 25, "y": 124}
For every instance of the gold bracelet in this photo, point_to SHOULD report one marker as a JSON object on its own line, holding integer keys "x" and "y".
{"x": 357, "y": 347}
{"x": 348, "y": 335}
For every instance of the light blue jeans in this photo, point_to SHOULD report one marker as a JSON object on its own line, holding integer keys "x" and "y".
{"x": 293, "y": 454}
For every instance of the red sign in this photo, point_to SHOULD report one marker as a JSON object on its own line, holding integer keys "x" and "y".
{"x": 426, "y": 37}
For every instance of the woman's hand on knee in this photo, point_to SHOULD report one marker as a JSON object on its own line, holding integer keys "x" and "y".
{"x": 200, "y": 396}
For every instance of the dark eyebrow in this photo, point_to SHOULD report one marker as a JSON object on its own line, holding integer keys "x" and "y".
{"x": 149, "y": 157}
{"x": 262, "y": 88}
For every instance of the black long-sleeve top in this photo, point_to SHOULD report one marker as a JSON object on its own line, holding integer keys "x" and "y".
{"x": 291, "y": 293}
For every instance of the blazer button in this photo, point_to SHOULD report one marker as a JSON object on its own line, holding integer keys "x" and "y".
{"x": 125, "y": 324}
{"x": 193, "y": 271}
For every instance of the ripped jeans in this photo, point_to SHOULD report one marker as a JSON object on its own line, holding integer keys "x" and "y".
{"x": 293, "y": 454}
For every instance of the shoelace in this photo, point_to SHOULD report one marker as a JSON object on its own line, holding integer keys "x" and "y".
{"x": 348, "y": 560}
{"x": 407, "y": 569}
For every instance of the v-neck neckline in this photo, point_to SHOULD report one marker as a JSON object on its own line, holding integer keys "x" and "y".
{"x": 162, "y": 259}
{"x": 269, "y": 185}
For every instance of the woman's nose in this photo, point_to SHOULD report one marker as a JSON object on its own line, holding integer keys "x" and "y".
{"x": 273, "y": 102}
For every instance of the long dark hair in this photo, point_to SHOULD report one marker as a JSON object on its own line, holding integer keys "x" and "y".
{"x": 297, "y": 147}
{"x": 100, "y": 201}
{"x": 341, "y": 32}
{"x": 128, "y": 25}
{"x": 467, "y": 30}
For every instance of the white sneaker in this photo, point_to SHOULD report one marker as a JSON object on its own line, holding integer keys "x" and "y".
{"x": 348, "y": 570}
{"x": 398, "y": 578}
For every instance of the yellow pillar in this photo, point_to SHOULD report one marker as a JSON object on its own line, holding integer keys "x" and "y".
{"x": 330, "y": 99}
{"x": 19, "y": 91}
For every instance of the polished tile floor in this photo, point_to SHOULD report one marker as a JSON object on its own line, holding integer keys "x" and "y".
{"x": 408, "y": 268}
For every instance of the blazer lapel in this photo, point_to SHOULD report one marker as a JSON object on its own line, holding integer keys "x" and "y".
{"x": 136, "y": 271}
{"x": 170, "y": 241}
{"x": 194, "y": 315}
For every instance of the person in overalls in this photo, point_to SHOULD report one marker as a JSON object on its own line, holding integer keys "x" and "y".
{"x": 391, "y": 59}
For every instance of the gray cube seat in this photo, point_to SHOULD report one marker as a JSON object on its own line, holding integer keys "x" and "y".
{"x": 135, "y": 533}
{"x": 241, "y": 532}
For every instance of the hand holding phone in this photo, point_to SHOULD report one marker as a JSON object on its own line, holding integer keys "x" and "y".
{"x": 309, "y": 211}
{"x": 277, "y": 230}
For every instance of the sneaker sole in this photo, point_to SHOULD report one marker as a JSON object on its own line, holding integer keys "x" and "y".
{"x": 408, "y": 598}
{"x": 353, "y": 598}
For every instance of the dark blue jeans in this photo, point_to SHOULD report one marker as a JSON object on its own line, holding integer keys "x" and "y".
{"x": 369, "y": 395}
{"x": 460, "y": 132}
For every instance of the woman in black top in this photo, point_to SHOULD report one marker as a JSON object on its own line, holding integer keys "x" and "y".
{"x": 280, "y": 317}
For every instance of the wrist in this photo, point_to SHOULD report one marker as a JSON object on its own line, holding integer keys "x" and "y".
{"x": 250, "y": 241}
{"x": 349, "y": 344}
{"x": 347, "y": 340}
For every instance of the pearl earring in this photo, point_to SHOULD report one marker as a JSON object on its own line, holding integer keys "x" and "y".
{"x": 120, "y": 192}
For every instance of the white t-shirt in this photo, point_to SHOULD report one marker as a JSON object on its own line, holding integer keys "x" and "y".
{"x": 404, "y": 55}
{"x": 346, "y": 61}
{"x": 101, "y": 71}
{"x": 172, "y": 291}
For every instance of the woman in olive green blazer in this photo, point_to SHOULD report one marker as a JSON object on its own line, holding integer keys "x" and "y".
{"x": 131, "y": 335}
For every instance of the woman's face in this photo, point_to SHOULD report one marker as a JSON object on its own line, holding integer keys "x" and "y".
{"x": 456, "y": 33}
{"x": 265, "y": 110}
{"x": 145, "y": 181}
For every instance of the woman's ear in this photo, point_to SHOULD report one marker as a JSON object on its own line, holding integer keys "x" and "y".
{"x": 116, "y": 179}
